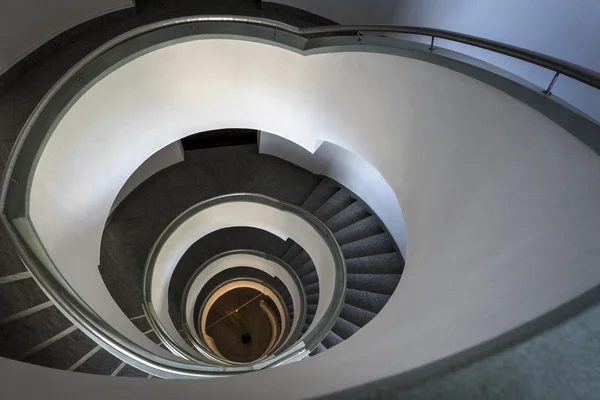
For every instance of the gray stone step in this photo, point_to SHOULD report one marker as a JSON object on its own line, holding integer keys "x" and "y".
{"x": 323, "y": 192}
{"x": 389, "y": 263}
{"x": 310, "y": 278}
{"x": 18, "y": 296}
{"x": 319, "y": 349}
{"x": 344, "y": 329}
{"x": 375, "y": 283}
{"x": 356, "y": 316}
{"x": 312, "y": 298}
{"x": 312, "y": 288}
{"x": 63, "y": 353}
{"x": 331, "y": 340}
{"x": 101, "y": 363}
{"x": 362, "y": 229}
{"x": 348, "y": 216}
{"x": 306, "y": 269}
{"x": 20, "y": 336}
{"x": 293, "y": 250}
{"x": 299, "y": 260}
{"x": 378, "y": 244}
{"x": 336, "y": 203}
{"x": 132, "y": 372}
{"x": 373, "y": 302}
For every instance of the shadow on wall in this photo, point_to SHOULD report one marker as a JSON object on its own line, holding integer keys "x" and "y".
{"x": 351, "y": 170}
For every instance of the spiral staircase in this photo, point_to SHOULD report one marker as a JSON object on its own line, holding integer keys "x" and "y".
{"x": 162, "y": 232}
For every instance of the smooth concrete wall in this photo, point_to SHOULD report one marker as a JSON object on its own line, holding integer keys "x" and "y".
{"x": 565, "y": 30}
{"x": 27, "y": 24}
{"x": 500, "y": 203}
{"x": 350, "y": 170}
{"x": 164, "y": 158}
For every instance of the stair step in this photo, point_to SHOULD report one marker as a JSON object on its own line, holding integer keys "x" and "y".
{"x": 63, "y": 353}
{"x": 336, "y": 203}
{"x": 299, "y": 260}
{"x": 348, "y": 216}
{"x": 356, "y": 315}
{"x": 344, "y": 329}
{"x": 331, "y": 340}
{"x": 132, "y": 372}
{"x": 319, "y": 349}
{"x": 22, "y": 335}
{"x": 141, "y": 323}
{"x": 292, "y": 252}
{"x": 306, "y": 269}
{"x": 311, "y": 309}
{"x": 377, "y": 244}
{"x": 362, "y": 229}
{"x": 19, "y": 296}
{"x": 375, "y": 283}
{"x": 389, "y": 263}
{"x": 322, "y": 192}
{"x": 312, "y": 299}
{"x": 101, "y": 363}
{"x": 310, "y": 278}
{"x": 312, "y": 288}
{"x": 373, "y": 302}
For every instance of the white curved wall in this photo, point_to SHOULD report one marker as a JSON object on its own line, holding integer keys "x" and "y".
{"x": 500, "y": 203}
{"x": 237, "y": 260}
{"x": 31, "y": 23}
{"x": 350, "y": 170}
{"x": 565, "y": 30}
{"x": 233, "y": 214}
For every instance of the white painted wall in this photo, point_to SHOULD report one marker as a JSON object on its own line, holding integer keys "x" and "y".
{"x": 164, "y": 158}
{"x": 27, "y": 24}
{"x": 500, "y": 203}
{"x": 232, "y": 214}
{"x": 237, "y": 260}
{"x": 351, "y": 171}
{"x": 564, "y": 29}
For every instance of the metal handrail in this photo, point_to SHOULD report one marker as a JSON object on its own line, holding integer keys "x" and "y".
{"x": 324, "y": 325}
{"x": 58, "y": 288}
{"x": 303, "y": 303}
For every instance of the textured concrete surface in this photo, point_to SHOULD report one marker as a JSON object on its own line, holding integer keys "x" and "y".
{"x": 561, "y": 363}
{"x": 19, "y": 295}
{"x": 63, "y": 353}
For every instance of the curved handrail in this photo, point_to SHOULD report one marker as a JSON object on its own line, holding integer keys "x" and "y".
{"x": 262, "y": 283}
{"x": 54, "y": 283}
{"x": 303, "y": 303}
{"x": 325, "y": 324}
{"x": 584, "y": 75}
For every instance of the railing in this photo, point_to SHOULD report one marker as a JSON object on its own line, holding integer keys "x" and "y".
{"x": 294, "y": 334}
{"x": 314, "y": 335}
{"x": 19, "y": 170}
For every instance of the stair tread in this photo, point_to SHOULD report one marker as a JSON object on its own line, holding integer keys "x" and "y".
{"x": 306, "y": 268}
{"x": 301, "y": 259}
{"x": 348, "y": 216}
{"x": 321, "y": 193}
{"x": 101, "y": 363}
{"x": 387, "y": 263}
{"x": 336, "y": 203}
{"x": 63, "y": 353}
{"x": 344, "y": 328}
{"x": 376, "y": 244}
{"x": 319, "y": 349}
{"x": 369, "y": 301}
{"x": 18, "y": 337}
{"x": 331, "y": 340}
{"x": 312, "y": 288}
{"x": 356, "y": 315}
{"x": 374, "y": 283}
{"x": 365, "y": 228}
{"x": 293, "y": 250}
{"x": 20, "y": 295}
{"x": 132, "y": 372}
